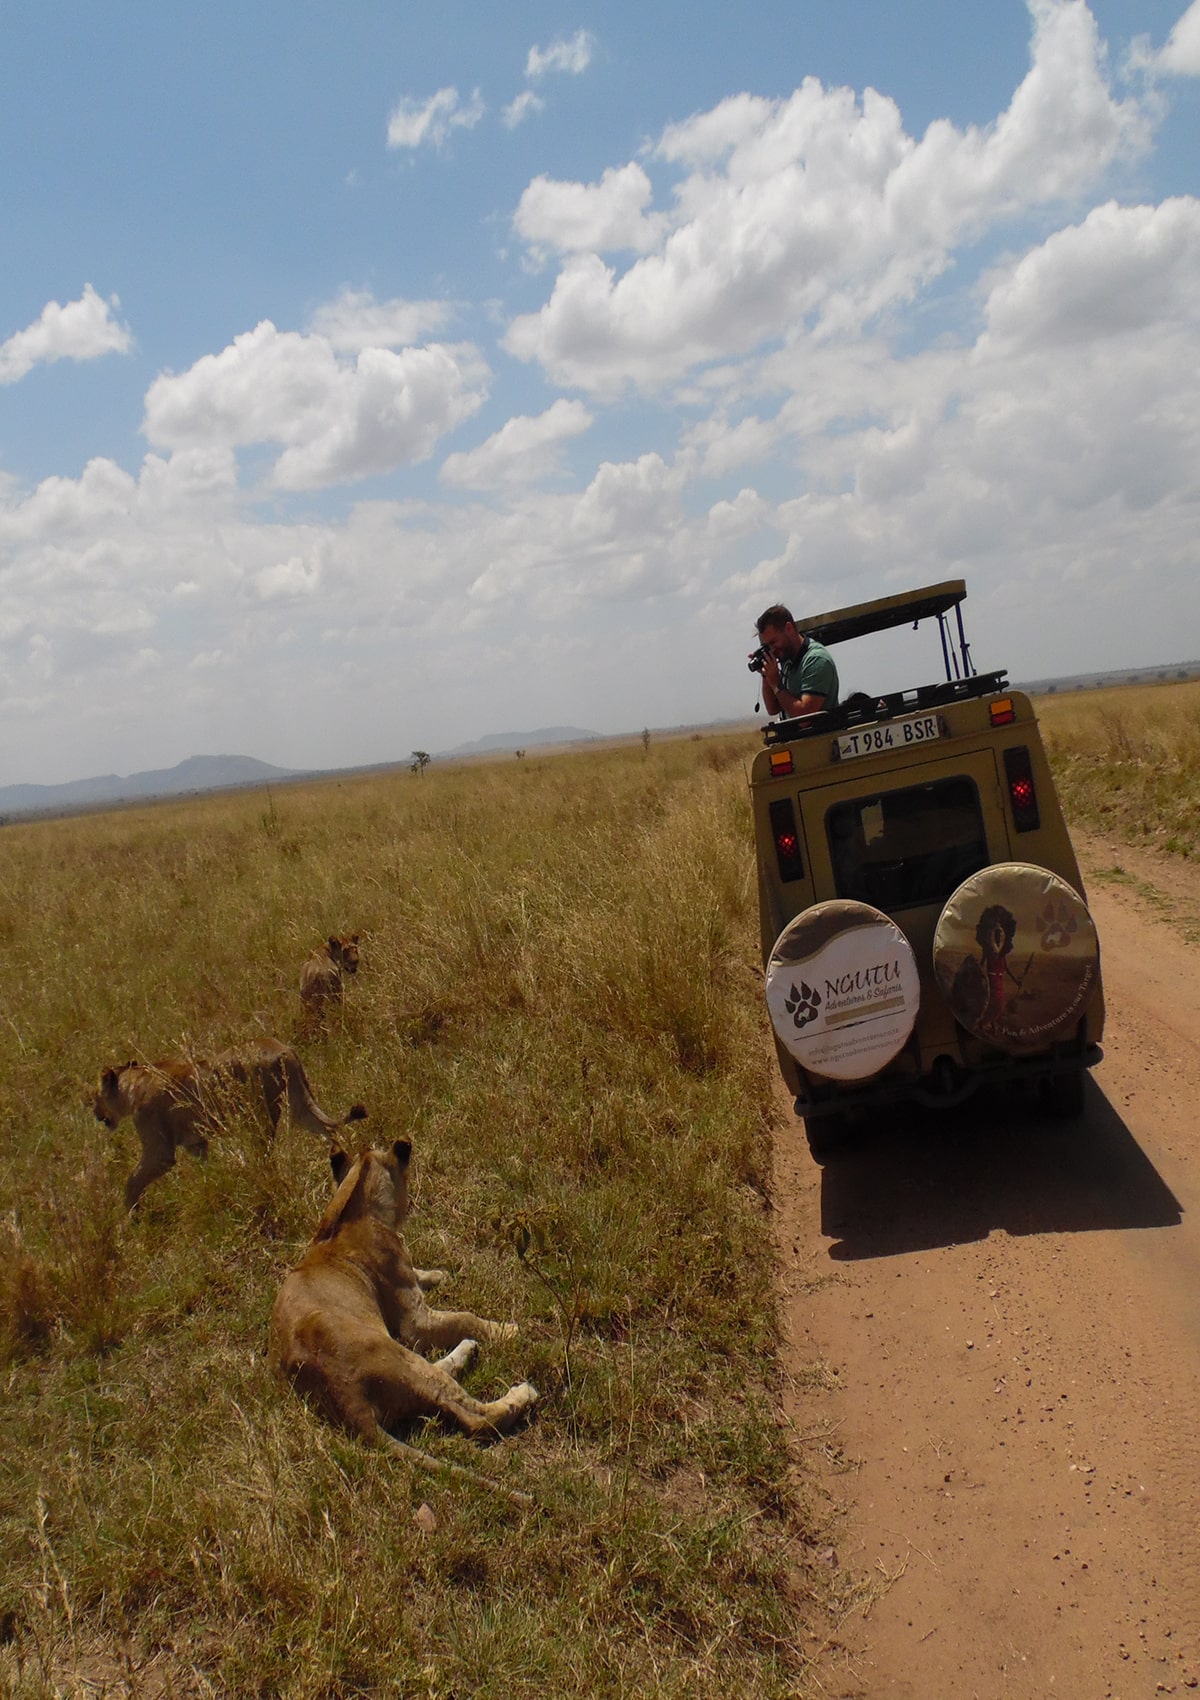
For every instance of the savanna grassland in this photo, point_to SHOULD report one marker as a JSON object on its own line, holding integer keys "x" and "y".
{"x": 1128, "y": 760}
{"x": 560, "y": 1005}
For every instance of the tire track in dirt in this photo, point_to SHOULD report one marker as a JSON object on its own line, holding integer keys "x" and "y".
{"x": 1010, "y": 1312}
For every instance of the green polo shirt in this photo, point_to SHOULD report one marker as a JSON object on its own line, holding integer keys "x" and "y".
{"x": 813, "y": 671}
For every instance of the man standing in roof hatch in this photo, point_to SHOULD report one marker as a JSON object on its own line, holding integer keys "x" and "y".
{"x": 798, "y": 673}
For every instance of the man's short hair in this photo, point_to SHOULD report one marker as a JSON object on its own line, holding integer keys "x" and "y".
{"x": 777, "y": 616}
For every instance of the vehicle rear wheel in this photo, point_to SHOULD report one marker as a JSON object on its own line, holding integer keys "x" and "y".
{"x": 1062, "y": 1094}
{"x": 827, "y": 1135}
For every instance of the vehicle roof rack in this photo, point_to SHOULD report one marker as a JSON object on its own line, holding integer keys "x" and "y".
{"x": 861, "y": 709}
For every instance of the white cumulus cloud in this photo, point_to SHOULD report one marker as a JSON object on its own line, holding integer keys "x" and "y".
{"x": 1124, "y": 269}
{"x": 814, "y": 212}
{"x": 520, "y": 108}
{"x": 413, "y": 122}
{"x": 337, "y": 419}
{"x": 578, "y": 217}
{"x": 1180, "y": 55}
{"x": 284, "y": 579}
{"x": 522, "y": 451}
{"x": 572, "y": 54}
{"x": 355, "y": 320}
{"x": 82, "y": 330}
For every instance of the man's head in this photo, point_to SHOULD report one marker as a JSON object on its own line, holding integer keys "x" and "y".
{"x": 777, "y": 631}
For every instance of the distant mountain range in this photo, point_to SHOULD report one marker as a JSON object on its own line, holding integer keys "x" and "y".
{"x": 496, "y": 741}
{"x": 220, "y": 773}
{"x": 1106, "y": 676}
{"x": 197, "y": 773}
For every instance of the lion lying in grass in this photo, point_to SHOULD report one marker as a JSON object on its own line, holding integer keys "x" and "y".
{"x": 351, "y": 1321}
{"x": 178, "y": 1102}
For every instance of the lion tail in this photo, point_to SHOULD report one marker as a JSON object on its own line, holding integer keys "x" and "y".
{"x": 356, "y": 1113}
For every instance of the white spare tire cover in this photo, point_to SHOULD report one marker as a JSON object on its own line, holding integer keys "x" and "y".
{"x": 1016, "y": 956}
{"x": 843, "y": 989}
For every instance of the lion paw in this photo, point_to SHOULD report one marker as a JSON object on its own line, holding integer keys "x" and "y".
{"x": 457, "y": 1362}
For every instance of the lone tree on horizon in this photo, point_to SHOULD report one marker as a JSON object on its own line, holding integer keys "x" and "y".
{"x": 421, "y": 760}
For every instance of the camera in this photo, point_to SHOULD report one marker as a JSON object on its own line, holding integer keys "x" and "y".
{"x": 760, "y": 655}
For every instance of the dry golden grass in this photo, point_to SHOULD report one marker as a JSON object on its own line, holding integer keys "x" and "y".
{"x": 1128, "y": 759}
{"x": 559, "y": 1003}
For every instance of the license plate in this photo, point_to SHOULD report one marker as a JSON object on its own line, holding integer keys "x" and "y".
{"x": 894, "y": 735}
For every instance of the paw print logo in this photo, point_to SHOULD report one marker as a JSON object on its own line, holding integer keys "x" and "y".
{"x": 1057, "y": 926}
{"x": 802, "y": 1004}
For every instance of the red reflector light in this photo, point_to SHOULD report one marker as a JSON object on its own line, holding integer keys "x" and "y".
{"x": 787, "y": 839}
{"x": 1022, "y": 793}
{"x": 1002, "y": 712}
{"x": 781, "y": 762}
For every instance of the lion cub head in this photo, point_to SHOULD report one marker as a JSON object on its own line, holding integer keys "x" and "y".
{"x": 110, "y": 1102}
{"x": 371, "y": 1187}
{"x": 344, "y": 952}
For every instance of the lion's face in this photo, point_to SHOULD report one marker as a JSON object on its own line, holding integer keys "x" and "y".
{"x": 109, "y": 1104}
{"x": 344, "y": 952}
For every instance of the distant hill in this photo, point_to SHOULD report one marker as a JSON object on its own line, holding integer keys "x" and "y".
{"x": 520, "y": 741}
{"x": 1103, "y": 677}
{"x": 197, "y": 773}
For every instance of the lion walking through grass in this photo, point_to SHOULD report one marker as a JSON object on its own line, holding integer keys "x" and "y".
{"x": 179, "y": 1101}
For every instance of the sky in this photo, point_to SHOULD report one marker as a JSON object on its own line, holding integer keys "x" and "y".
{"x": 379, "y": 378}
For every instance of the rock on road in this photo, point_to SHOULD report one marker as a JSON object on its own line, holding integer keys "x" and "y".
{"x": 1004, "y": 1312}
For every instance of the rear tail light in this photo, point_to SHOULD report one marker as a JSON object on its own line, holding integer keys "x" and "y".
{"x": 1022, "y": 793}
{"x": 787, "y": 839}
{"x": 1002, "y": 712}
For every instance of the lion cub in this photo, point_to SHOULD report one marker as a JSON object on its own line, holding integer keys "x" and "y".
{"x": 180, "y": 1100}
{"x": 321, "y": 976}
{"x": 351, "y": 1320}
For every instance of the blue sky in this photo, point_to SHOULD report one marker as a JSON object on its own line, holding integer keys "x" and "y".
{"x": 379, "y": 380}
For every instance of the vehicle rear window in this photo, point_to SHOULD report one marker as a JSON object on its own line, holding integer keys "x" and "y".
{"x": 900, "y": 848}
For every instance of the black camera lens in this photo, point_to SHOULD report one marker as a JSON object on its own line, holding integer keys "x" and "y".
{"x": 756, "y": 660}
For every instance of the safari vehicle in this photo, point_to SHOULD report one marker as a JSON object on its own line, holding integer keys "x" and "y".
{"x": 924, "y": 928}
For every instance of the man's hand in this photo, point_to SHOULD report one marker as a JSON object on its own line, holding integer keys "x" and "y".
{"x": 770, "y": 673}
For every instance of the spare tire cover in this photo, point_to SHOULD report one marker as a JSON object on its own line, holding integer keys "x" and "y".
{"x": 843, "y": 989}
{"x": 1016, "y": 956}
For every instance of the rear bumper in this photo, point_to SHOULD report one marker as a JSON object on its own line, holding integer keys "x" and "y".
{"x": 948, "y": 1082}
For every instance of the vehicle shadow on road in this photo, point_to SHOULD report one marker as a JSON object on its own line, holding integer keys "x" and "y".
{"x": 937, "y": 1178}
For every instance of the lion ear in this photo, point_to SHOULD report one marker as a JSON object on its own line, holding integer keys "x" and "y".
{"x": 334, "y": 941}
{"x": 339, "y": 1163}
{"x": 110, "y": 1076}
{"x": 353, "y": 938}
{"x": 403, "y": 1152}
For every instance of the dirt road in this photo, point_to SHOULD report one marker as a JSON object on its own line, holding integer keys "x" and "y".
{"x": 1005, "y": 1313}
